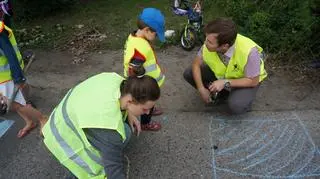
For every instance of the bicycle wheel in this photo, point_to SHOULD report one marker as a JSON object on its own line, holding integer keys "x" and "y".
{"x": 188, "y": 39}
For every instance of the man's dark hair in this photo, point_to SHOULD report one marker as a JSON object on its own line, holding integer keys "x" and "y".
{"x": 225, "y": 28}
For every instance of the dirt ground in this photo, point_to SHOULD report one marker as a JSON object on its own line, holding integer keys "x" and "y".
{"x": 187, "y": 122}
{"x": 53, "y": 73}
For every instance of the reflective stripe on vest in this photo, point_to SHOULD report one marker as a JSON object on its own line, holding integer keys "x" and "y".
{"x": 151, "y": 68}
{"x": 65, "y": 135}
{"x": 72, "y": 155}
{"x": 161, "y": 77}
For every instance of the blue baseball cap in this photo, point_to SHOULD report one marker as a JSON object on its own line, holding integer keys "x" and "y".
{"x": 153, "y": 18}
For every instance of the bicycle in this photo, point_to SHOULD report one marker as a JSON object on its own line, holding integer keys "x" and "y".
{"x": 193, "y": 30}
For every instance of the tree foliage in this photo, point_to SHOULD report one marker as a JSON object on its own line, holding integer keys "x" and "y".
{"x": 29, "y": 9}
{"x": 280, "y": 26}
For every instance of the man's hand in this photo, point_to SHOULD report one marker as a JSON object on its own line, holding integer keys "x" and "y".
{"x": 205, "y": 94}
{"x": 134, "y": 123}
{"x": 216, "y": 86}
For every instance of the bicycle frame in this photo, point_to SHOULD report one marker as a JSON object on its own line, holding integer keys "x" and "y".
{"x": 194, "y": 14}
{"x": 192, "y": 31}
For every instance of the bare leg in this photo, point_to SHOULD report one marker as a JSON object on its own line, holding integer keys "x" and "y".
{"x": 37, "y": 115}
{"x": 26, "y": 92}
{"x": 28, "y": 113}
{"x": 16, "y": 107}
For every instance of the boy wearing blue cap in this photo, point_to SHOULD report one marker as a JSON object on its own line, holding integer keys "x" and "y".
{"x": 138, "y": 52}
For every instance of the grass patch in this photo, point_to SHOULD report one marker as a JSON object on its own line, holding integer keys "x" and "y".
{"x": 114, "y": 19}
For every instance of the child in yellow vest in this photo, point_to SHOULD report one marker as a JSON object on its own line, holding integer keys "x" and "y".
{"x": 12, "y": 77}
{"x": 139, "y": 52}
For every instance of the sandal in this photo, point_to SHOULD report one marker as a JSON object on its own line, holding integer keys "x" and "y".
{"x": 24, "y": 132}
{"x": 151, "y": 126}
{"x": 156, "y": 111}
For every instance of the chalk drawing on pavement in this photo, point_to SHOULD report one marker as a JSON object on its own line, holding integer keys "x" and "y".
{"x": 4, "y": 126}
{"x": 265, "y": 148}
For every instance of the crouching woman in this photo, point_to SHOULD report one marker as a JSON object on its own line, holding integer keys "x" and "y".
{"x": 89, "y": 129}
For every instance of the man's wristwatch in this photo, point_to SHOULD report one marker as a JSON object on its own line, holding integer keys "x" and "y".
{"x": 227, "y": 85}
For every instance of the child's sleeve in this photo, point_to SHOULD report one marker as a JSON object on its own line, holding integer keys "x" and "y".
{"x": 136, "y": 62}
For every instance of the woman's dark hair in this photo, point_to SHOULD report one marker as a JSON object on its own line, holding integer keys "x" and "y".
{"x": 142, "y": 88}
{"x": 225, "y": 28}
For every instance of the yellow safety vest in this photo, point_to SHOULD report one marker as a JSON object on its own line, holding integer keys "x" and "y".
{"x": 5, "y": 72}
{"x": 93, "y": 103}
{"x": 143, "y": 46}
{"x": 237, "y": 63}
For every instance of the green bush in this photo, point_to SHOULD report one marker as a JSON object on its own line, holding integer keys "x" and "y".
{"x": 29, "y": 9}
{"x": 280, "y": 26}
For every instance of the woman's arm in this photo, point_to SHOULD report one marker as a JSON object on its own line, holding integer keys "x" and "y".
{"x": 110, "y": 145}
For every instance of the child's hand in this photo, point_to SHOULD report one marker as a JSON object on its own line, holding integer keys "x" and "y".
{"x": 3, "y": 104}
{"x": 136, "y": 70}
